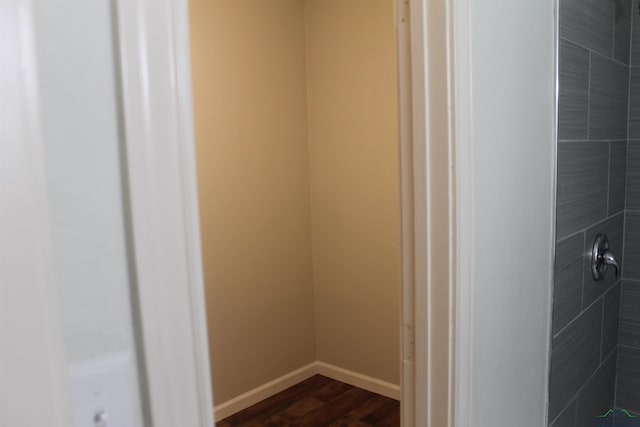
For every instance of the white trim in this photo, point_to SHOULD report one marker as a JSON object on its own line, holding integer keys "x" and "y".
{"x": 279, "y": 384}
{"x": 554, "y": 203}
{"x": 264, "y": 391}
{"x": 465, "y": 212}
{"x": 182, "y": 60}
{"x": 420, "y": 124}
{"x": 428, "y": 244}
{"x": 433, "y": 186}
{"x": 159, "y": 151}
{"x": 478, "y": 395}
{"x": 356, "y": 379}
{"x": 34, "y": 389}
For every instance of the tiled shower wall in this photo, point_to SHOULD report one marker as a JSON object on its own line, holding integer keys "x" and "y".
{"x": 628, "y": 379}
{"x": 592, "y": 162}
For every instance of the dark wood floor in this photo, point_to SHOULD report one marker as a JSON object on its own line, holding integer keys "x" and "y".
{"x": 319, "y": 402}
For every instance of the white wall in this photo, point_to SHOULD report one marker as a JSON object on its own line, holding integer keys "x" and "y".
{"x": 248, "y": 62}
{"x": 74, "y": 43}
{"x": 32, "y": 384}
{"x": 506, "y": 158}
{"x": 352, "y": 94}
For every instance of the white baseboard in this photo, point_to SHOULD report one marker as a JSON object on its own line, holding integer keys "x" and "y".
{"x": 264, "y": 391}
{"x": 359, "y": 380}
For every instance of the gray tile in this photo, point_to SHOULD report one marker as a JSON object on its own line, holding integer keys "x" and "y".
{"x": 608, "y": 94}
{"x": 617, "y": 176}
{"x": 633, "y": 175}
{"x": 597, "y": 397}
{"x": 630, "y": 314}
{"x": 582, "y": 185}
{"x": 567, "y": 290}
{"x": 628, "y": 387}
{"x": 631, "y": 269}
{"x": 610, "y": 321}
{"x": 573, "y": 103}
{"x": 613, "y": 228}
{"x": 567, "y": 418}
{"x": 622, "y": 34}
{"x": 589, "y": 23}
{"x": 635, "y": 34}
{"x": 634, "y": 102}
{"x": 622, "y": 417}
{"x": 574, "y": 358}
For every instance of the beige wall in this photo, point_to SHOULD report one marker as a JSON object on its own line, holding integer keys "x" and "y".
{"x": 257, "y": 212}
{"x": 251, "y": 139}
{"x": 353, "y": 145}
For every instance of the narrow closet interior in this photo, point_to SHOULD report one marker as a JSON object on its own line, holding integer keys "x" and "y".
{"x": 296, "y": 126}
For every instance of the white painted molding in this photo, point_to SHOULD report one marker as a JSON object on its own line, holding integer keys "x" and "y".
{"x": 356, "y": 379}
{"x": 465, "y": 213}
{"x": 264, "y": 391}
{"x": 279, "y": 384}
{"x": 154, "y": 66}
{"x": 425, "y": 41}
{"x": 490, "y": 84}
{"x": 189, "y": 186}
{"x": 433, "y": 219}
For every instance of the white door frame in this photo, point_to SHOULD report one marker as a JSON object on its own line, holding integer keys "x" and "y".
{"x": 438, "y": 246}
{"x": 160, "y": 163}
{"x": 152, "y": 37}
{"x": 161, "y": 169}
{"x": 428, "y": 222}
{"x": 504, "y": 55}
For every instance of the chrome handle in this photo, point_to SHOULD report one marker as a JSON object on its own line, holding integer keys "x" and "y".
{"x": 601, "y": 258}
{"x": 609, "y": 259}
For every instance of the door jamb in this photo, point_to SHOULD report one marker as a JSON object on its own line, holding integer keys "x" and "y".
{"x": 428, "y": 210}
{"x": 159, "y": 138}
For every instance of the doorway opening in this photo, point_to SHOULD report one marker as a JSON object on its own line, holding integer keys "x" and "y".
{"x": 298, "y": 156}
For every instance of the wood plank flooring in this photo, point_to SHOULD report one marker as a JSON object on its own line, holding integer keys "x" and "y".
{"x": 319, "y": 402}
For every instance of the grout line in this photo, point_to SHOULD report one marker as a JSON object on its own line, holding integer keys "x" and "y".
{"x": 590, "y": 140}
{"x": 569, "y": 236}
{"x": 615, "y": 383}
{"x": 574, "y": 400}
{"x": 615, "y": 386}
{"x": 602, "y": 329}
{"x": 626, "y": 183}
{"x": 611, "y": 353}
{"x": 609, "y": 179}
{"x": 618, "y": 62}
{"x": 606, "y": 359}
{"x": 613, "y": 34}
{"x": 589, "y": 99}
{"x": 584, "y": 250}
{"x": 583, "y": 311}
{"x": 590, "y": 50}
{"x": 624, "y": 234}
{"x": 593, "y": 374}
{"x": 586, "y": 228}
{"x": 630, "y": 347}
{"x": 633, "y": 18}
